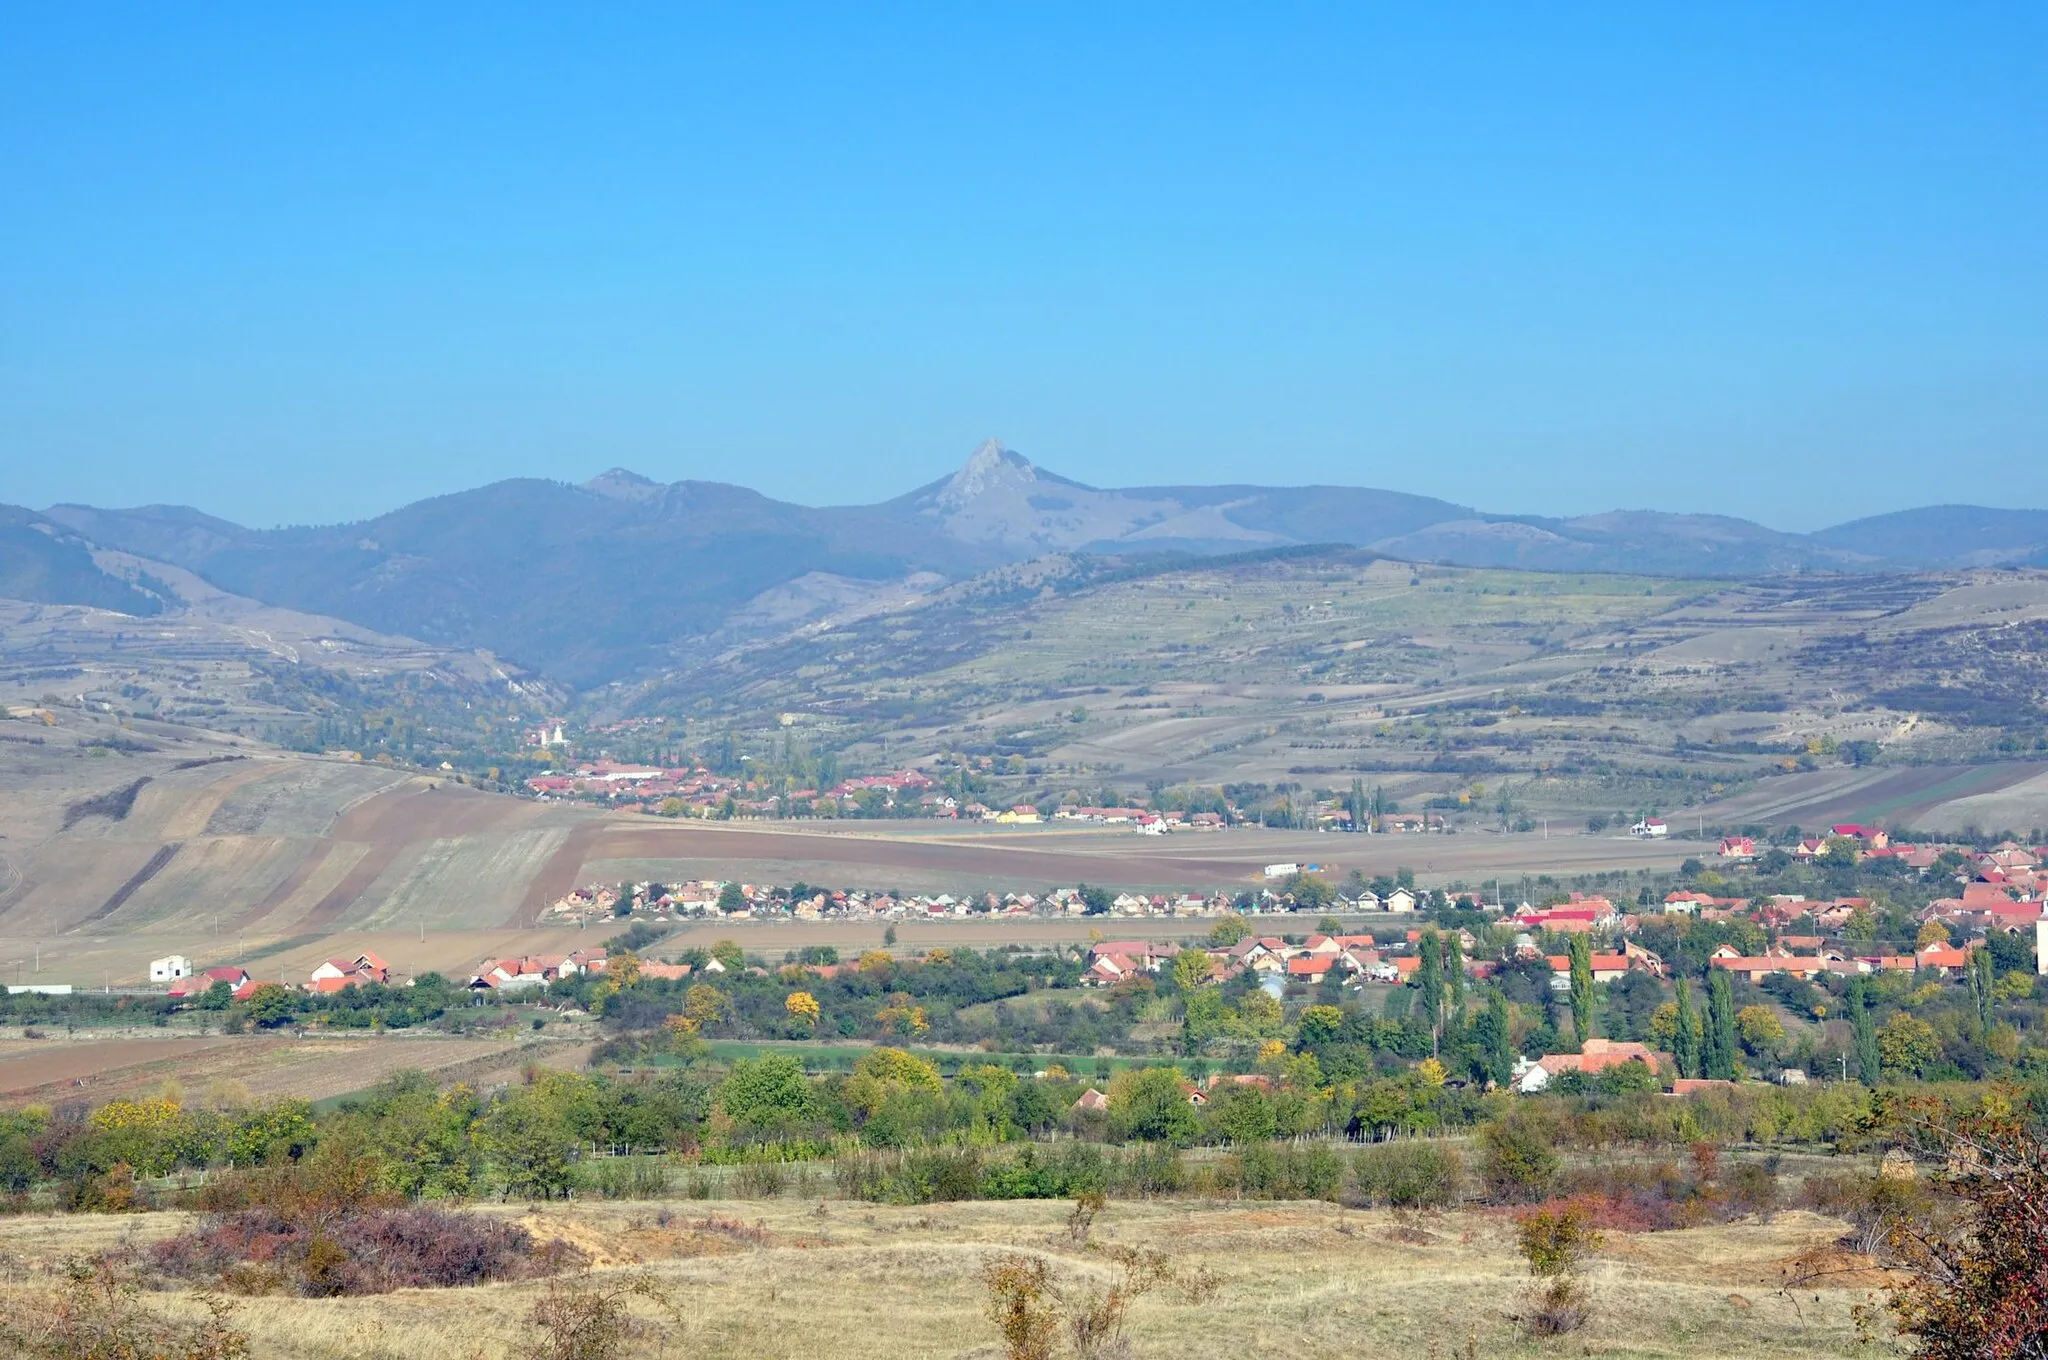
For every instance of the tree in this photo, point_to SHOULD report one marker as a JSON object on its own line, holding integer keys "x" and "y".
{"x": 528, "y": 1136}
{"x": 1193, "y": 968}
{"x": 270, "y": 1005}
{"x": 1718, "y": 1061}
{"x": 706, "y": 1005}
{"x": 729, "y": 955}
{"x": 1761, "y": 1030}
{"x": 1685, "y": 1033}
{"x": 1907, "y": 1045}
{"x": 1983, "y": 985}
{"x": 802, "y": 1007}
{"x": 1149, "y": 1105}
{"x": 1242, "y": 1114}
{"x": 1310, "y": 892}
{"x": 1454, "y": 969}
{"x": 1097, "y": 901}
{"x": 1977, "y": 1284}
{"x": 1582, "y": 987}
{"x": 767, "y": 1096}
{"x": 1495, "y": 1041}
{"x": 1320, "y": 1025}
{"x": 731, "y": 901}
{"x": 1863, "y": 1033}
{"x": 1228, "y": 930}
{"x": 1429, "y": 978}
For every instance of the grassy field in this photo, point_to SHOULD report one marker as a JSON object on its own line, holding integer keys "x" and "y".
{"x": 819, "y": 1278}
{"x": 105, "y": 1066}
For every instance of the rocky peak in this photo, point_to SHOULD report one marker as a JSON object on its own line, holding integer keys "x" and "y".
{"x": 989, "y": 468}
{"x": 621, "y": 484}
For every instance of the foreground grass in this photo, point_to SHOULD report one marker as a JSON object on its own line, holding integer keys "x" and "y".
{"x": 839, "y": 1278}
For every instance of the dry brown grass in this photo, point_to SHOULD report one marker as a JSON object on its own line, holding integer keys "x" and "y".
{"x": 793, "y": 1279}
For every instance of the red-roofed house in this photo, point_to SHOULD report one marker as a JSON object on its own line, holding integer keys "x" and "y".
{"x": 1597, "y": 1055}
{"x": 237, "y": 979}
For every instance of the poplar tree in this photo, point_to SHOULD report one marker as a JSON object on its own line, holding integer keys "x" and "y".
{"x": 1454, "y": 969}
{"x": 1863, "y": 1032}
{"x": 1720, "y": 1046}
{"x": 1493, "y": 1026}
{"x": 1430, "y": 977}
{"x": 1685, "y": 1041}
{"x": 1582, "y": 987}
{"x": 1983, "y": 975}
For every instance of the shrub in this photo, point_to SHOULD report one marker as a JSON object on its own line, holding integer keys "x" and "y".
{"x": 1023, "y": 1304}
{"x": 760, "y": 1180}
{"x": 259, "y": 1249}
{"x": 1413, "y": 1174}
{"x": 1518, "y": 1158}
{"x": 628, "y": 1178}
{"x": 580, "y": 1319}
{"x": 1287, "y": 1171}
{"x": 1556, "y": 1242}
{"x": 97, "y": 1313}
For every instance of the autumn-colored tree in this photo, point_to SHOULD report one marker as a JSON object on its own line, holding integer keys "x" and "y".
{"x": 1228, "y": 930}
{"x": 802, "y": 1006}
{"x": 1976, "y": 1283}
{"x": 1761, "y": 1030}
{"x": 1193, "y": 968}
{"x": 903, "y": 1016}
{"x": 1907, "y": 1045}
{"x": 706, "y": 1005}
{"x": 729, "y": 955}
{"x": 882, "y": 1072}
{"x": 1556, "y": 1242}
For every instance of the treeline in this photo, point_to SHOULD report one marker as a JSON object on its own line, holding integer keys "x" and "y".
{"x": 558, "y": 1132}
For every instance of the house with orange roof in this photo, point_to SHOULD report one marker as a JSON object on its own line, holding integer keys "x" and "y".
{"x": 1595, "y": 1056}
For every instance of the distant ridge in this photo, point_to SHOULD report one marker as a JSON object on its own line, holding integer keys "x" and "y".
{"x": 604, "y": 581}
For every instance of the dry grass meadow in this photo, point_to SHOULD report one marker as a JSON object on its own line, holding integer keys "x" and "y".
{"x": 839, "y": 1278}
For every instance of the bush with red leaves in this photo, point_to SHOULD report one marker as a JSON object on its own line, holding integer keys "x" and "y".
{"x": 259, "y": 1250}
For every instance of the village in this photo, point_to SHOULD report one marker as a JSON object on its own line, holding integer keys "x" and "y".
{"x": 1368, "y": 932}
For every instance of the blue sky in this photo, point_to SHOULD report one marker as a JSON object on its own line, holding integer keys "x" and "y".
{"x": 1779, "y": 261}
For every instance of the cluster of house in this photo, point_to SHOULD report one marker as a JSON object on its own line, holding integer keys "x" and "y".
{"x": 697, "y": 792}
{"x": 331, "y": 975}
{"x": 539, "y": 970}
{"x": 1354, "y": 960}
{"x": 1141, "y": 820}
{"x": 703, "y": 898}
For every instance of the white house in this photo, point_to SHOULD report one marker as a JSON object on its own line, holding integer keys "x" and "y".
{"x": 1400, "y": 899}
{"x": 1650, "y": 829}
{"x": 170, "y": 968}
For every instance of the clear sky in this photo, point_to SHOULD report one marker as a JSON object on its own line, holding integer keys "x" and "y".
{"x": 297, "y": 263}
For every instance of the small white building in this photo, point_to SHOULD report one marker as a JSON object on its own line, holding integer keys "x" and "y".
{"x": 170, "y": 968}
{"x": 1650, "y": 829}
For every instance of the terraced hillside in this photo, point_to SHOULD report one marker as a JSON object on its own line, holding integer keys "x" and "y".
{"x": 1586, "y": 693}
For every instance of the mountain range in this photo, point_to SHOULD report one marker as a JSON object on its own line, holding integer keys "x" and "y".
{"x": 607, "y": 580}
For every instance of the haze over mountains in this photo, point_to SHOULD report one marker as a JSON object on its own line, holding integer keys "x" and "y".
{"x": 603, "y": 581}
